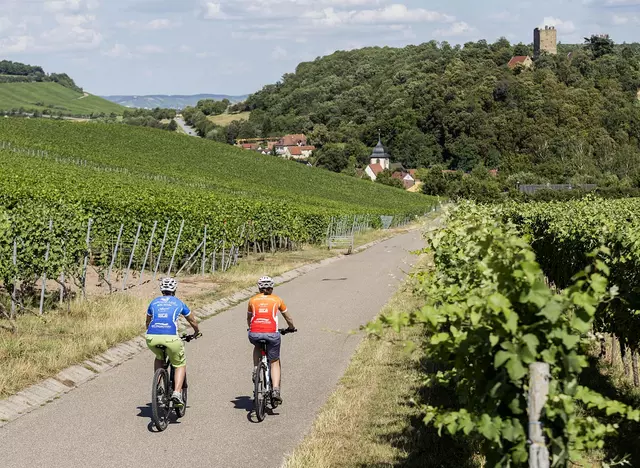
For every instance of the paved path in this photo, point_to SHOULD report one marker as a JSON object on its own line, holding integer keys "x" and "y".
{"x": 186, "y": 128}
{"x": 105, "y": 423}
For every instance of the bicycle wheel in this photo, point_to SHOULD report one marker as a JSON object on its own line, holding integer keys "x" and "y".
{"x": 160, "y": 399}
{"x": 260, "y": 394}
{"x": 180, "y": 412}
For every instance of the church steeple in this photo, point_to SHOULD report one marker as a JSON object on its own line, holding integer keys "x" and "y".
{"x": 379, "y": 154}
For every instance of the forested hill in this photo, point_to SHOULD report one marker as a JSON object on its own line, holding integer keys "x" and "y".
{"x": 571, "y": 114}
{"x": 15, "y": 72}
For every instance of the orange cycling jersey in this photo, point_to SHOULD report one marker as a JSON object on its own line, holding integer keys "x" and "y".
{"x": 265, "y": 313}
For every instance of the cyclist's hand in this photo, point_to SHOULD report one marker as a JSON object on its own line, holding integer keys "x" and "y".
{"x": 292, "y": 329}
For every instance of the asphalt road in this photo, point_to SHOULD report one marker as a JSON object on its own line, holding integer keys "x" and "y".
{"x": 187, "y": 129}
{"x": 106, "y": 422}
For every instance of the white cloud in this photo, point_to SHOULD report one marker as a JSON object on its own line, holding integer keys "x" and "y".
{"x": 152, "y": 25}
{"x": 16, "y": 44}
{"x": 214, "y": 11}
{"x": 279, "y": 53}
{"x": 565, "y": 27}
{"x": 459, "y": 28}
{"x": 391, "y": 14}
{"x": 70, "y": 5}
{"x": 119, "y": 51}
{"x": 150, "y": 49}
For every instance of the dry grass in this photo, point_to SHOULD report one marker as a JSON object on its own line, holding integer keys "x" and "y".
{"x": 225, "y": 119}
{"x": 44, "y": 346}
{"x": 368, "y": 420}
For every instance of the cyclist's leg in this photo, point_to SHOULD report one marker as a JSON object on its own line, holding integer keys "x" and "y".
{"x": 175, "y": 350}
{"x": 273, "y": 352}
{"x": 152, "y": 341}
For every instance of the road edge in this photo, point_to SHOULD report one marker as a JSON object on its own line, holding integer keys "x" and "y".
{"x": 67, "y": 380}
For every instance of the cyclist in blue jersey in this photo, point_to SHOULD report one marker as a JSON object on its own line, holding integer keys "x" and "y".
{"x": 162, "y": 330}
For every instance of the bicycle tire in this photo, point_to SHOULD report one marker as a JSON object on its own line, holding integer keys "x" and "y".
{"x": 160, "y": 398}
{"x": 180, "y": 412}
{"x": 259, "y": 396}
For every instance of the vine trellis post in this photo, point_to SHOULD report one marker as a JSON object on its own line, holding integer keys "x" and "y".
{"x": 539, "y": 375}
{"x": 86, "y": 259}
{"x": 175, "y": 249}
{"x": 133, "y": 252}
{"x": 146, "y": 255}
{"x": 164, "y": 240}
{"x": 44, "y": 274}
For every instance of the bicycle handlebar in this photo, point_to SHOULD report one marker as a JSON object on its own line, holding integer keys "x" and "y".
{"x": 188, "y": 338}
{"x": 284, "y": 331}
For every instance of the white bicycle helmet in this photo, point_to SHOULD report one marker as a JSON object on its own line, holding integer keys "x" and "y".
{"x": 266, "y": 282}
{"x": 168, "y": 285}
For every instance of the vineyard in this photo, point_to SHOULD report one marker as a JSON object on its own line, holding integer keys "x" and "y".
{"x": 53, "y": 97}
{"x": 116, "y": 199}
{"x": 521, "y": 284}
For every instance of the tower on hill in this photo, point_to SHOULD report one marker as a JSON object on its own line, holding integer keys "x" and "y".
{"x": 545, "y": 40}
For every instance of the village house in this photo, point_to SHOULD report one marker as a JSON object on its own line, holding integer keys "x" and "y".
{"x": 407, "y": 179}
{"x": 523, "y": 61}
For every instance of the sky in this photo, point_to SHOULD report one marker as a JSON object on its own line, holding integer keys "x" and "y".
{"x": 237, "y": 46}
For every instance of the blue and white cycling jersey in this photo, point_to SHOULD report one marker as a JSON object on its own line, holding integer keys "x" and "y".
{"x": 165, "y": 311}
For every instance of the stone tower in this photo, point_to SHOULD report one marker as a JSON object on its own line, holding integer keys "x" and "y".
{"x": 545, "y": 40}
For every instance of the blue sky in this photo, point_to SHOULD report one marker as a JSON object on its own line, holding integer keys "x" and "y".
{"x": 237, "y": 46}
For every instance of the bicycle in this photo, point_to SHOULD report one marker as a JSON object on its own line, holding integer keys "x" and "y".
{"x": 163, "y": 380}
{"x": 262, "y": 380}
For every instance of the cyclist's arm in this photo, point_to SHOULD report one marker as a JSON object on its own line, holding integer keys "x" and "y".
{"x": 191, "y": 318}
{"x": 288, "y": 318}
{"x": 149, "y": 316}
{"x": 249, "y": 315}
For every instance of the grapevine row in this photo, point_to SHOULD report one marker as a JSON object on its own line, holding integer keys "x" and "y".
{"x": 488, "y": 314}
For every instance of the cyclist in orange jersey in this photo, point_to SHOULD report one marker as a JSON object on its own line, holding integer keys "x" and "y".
{"x": 262, "y": 319}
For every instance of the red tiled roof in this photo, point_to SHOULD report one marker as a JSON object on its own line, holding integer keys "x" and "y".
{"x": 518, "y": 59}
{"x": 413, "y": 172}
{"x": 307, "y": 148}
{"x": 397, "y": 175}
{"x": 295, "y": 151}
{"x": 294, "y": 140}
{"x": 376, "y": 168}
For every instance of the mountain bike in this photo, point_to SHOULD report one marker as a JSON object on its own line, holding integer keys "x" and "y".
{"x": 262, "y": 381}
{"x": 163, "y": 381}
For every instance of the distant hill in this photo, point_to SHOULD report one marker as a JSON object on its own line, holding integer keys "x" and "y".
{"x": 53, "y": 98}
{"x": 169, "y": 101}
{"x": 28, "y": 88}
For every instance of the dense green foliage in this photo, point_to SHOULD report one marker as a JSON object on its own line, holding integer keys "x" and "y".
{"x": 116, "y": 175}
{"x": 151, "y": 118}
{"x": 220, "y": 168}
{"x": 568, "y": 119}
{"x": 564, "y": 233}
{"x": 488, "y": 314}
{"x": 52, "y": 99}
{"x": 15, "y": 72}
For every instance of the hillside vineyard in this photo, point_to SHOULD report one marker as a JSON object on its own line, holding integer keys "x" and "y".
{"x": 66, "y": 188}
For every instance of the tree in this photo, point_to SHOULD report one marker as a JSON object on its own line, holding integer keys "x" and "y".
{"x": 599, "y": 45}
{"x": 332, "y": 157}
{"x": 386, "y": 178}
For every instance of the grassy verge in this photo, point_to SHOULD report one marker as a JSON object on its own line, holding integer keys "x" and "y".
{"x": 43, "y": 346}
{"x": 368, "y": 421}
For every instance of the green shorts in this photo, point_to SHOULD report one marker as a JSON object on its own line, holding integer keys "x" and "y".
{"x": 174, "y": 348}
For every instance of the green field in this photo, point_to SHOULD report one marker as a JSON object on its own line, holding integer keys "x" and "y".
{"x": 53, "y": 97}
{"x": 226, "y": 119}
{"x": 133, "y": 177}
